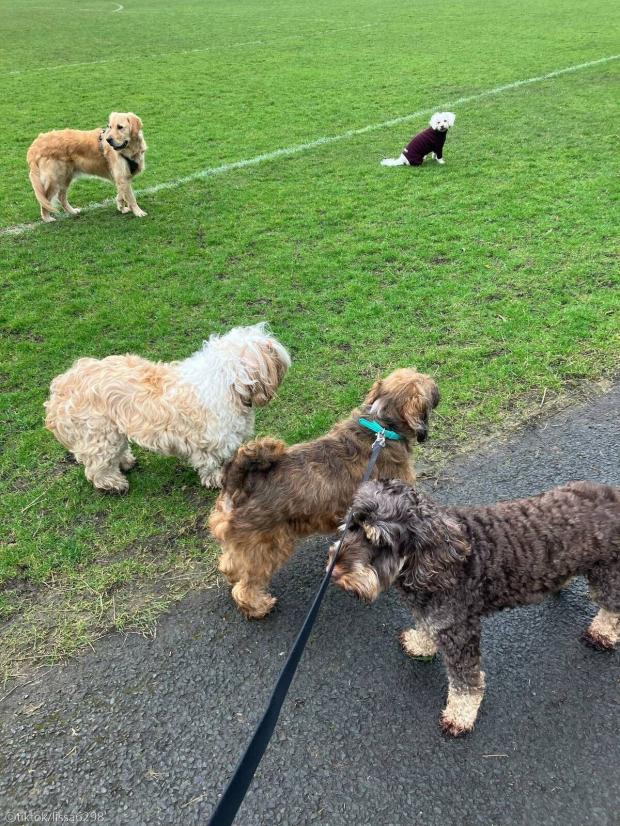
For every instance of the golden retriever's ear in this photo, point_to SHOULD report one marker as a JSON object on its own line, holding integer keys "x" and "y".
{"x": 135, "y": 124}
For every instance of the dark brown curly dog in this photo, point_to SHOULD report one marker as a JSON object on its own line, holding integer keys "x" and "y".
{"x": 273, "y": 494}
{"x": 454, "y": 565}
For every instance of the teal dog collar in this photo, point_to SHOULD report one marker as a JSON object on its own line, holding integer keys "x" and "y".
{"x": 377, "y": 428}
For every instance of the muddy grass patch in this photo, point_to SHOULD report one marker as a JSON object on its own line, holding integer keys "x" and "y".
{"x": 43, "y": 624}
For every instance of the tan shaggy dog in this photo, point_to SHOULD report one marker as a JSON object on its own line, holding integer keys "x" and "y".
{"x": 273, "y": 495}
{"x": 116, "y": 153}
{"x": 199, "y": 409}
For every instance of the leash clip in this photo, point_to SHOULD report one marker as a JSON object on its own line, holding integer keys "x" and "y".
{"x": 380, "y": 440}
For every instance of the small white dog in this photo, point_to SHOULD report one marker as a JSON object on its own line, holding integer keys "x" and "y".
{"x": 200, "y": 409}
{"x": 428, "y": 142}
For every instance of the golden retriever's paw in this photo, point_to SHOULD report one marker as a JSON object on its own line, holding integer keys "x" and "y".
{"x": 48, "y": 219}
{"x": 139, "y": 213}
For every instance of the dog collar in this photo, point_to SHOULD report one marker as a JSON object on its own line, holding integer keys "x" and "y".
{"x": 377, "y": 428}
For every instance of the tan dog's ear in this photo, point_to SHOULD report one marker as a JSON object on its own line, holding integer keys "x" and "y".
{"x": 416, "y": 410}
{"x": 135, "y": 124}
{"x": 434, "y": 394}
{"x": 375, "y": 392}
{"x": 267, "y": 369}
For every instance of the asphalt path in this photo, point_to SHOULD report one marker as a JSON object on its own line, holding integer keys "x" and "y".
{"x": 147, "y": 731}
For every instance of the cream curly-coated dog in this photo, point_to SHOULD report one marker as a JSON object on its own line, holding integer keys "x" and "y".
{"x": 116, "y": 153}
{"x": 200, "y": 409}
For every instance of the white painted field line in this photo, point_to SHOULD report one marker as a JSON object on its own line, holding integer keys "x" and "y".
{"x": 77, "y": 9}
{"x": 223, "y": 47}
{"x": 19, "y": 229}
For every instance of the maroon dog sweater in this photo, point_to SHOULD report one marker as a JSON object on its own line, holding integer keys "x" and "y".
{"x": 430, "y": 140}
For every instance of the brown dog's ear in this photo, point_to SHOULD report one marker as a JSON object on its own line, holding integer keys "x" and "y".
{"x": 364, "y": 513}
{"x": 439, "y": 550}
{"x": 378, "y": 532}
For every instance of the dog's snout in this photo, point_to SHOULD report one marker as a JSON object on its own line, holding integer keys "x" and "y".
{"x": 422, "y": 433}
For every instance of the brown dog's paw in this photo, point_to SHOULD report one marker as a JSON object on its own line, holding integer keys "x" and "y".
{"x": 452, "y": 728}
{"x": 417, "y": 645}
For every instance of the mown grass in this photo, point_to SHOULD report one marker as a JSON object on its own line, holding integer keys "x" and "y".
{"x": 497, "y": 273}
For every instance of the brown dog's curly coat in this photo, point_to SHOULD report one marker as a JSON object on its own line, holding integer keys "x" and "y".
{"x": 455, "y": 565}
{"x": 273, "y": 494}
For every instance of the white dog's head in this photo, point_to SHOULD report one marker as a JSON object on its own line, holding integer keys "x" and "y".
{"x": 247, "y": 361}
{"x": 442, "y": 121}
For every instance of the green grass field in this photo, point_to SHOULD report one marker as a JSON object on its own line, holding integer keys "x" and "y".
{"x": 497, "y": 273}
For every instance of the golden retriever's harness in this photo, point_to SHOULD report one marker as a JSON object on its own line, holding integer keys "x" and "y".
{"x": 134, "y": 166}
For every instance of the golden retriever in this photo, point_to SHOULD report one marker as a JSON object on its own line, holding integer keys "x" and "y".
{"x": 115, "y": 153}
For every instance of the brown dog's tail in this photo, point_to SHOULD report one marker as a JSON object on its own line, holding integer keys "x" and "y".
{"x": 39, "y": 189}
{"x": 254, "y": 457}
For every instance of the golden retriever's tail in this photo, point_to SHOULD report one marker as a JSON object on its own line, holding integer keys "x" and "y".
{"x": 39, "y": 189}
{"x": 255, "y": 457}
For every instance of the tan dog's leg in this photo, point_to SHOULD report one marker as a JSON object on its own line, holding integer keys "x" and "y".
{"x": 121, "y": 205}
{"x": 127, "y": 460}
{"x": 62, "y": 197}
{"x": 102, "y": 460}
{"x": 251, "y": 570}
{"x": 208, "y": 467}
{"x": 50, "y": 194}
{"x": 125, "y": 193}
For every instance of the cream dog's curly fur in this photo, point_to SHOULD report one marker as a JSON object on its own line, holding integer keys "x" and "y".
{"x": 200, "y": 409}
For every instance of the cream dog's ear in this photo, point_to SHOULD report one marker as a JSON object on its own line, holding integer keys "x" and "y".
{"x": 135, "y": 124}
{"x": 451, "y": 117}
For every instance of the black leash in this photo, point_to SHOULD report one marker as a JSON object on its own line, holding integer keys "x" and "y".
{"x": 232, "y": 798}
